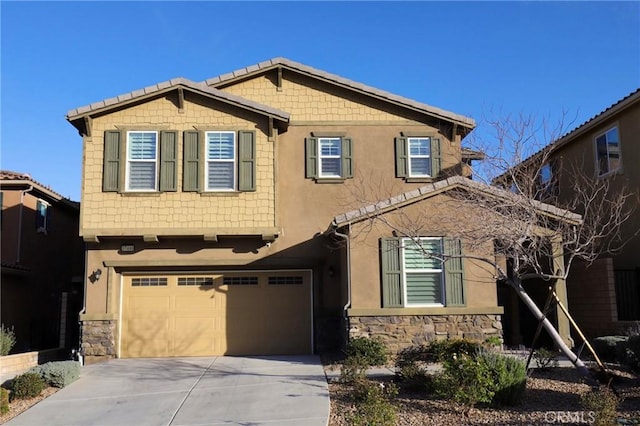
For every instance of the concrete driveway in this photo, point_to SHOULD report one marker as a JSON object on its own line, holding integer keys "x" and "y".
{"x": 283, "y": 390}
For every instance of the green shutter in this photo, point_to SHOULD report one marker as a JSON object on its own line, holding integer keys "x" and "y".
{"x": 454, "y": 272}
{"x": 168, "y": 161}
{"x": 246, "y": 161}
{"x": 391, "y": 265}
{"x": 312, "y": 157}
{"x": 347, "y": 158}
{"x": 191, "y": 180}
{"x": 111, "y": 166}
{"x": 436, "y": 161}
{"x": 401, "y": 157}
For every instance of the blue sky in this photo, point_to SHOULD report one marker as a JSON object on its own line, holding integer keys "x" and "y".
{"x": 467, "y": 57}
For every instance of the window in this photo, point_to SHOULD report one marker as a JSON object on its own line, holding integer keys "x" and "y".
{"x": 423, "y": 272}
{"x": 608, "y": 151}
{"x": 42, "y": 216}
{"x": 226, "y": 162}
{"x": 142, "y": 161}
{"x": 329, "y": 159}
{"x": 139, "y": 161}
{"x": 422, "y": 261}
{"x": 221, "y": 161}
{"x": 288, "y": 280}
{"x": 240, "y": 281}
{"x": 195, "y": 281}
{"x": 547, "y": 182}
{"x": 148, "y": 282}
{"x": 418, "y": 157}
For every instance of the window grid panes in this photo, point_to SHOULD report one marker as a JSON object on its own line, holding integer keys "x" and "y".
{"x": 423, "y": 269}
{"x": 142, "y": 155}
{"x": 149, "y": 282}
{"x": 221, "y": 160}
{"x": 330, "y": 153}
{"x": 240, "y": 281}
{"x": 419, "y": 157}
{"x": 195, "y": 281}
{"x": 608, "y": 151}
{"x": 293, "y": 280}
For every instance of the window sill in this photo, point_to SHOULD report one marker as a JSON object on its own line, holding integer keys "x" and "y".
{"x": 330, "y": 180}
{"x": 444, "y": 310}
{"x": 419, "y": 179}
{"x": 220, "y": 193}
{"x": 141, "y": 194}
{"x": 611, "y": 173}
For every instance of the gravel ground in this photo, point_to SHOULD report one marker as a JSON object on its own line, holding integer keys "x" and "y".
{"x": 547, "y": 394}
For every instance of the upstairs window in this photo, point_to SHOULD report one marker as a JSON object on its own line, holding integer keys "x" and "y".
{"x": 418, "y": 158}
{"x": 547, "y": 182}
{"x": 221, "y": 161}
{"x": 329, "y": 159}
{"x": 608, "y": 152}
{"x": 43, "y": 216}
{"x": 142, "y": 161}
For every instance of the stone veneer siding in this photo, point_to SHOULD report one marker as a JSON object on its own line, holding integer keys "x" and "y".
{"x": 98, "y": 340}
{"x": 399, "y": 332}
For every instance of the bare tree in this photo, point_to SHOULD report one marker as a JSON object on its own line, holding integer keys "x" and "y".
{"x": 508, "y": 229}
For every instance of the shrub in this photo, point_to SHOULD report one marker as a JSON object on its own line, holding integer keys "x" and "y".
{"x": 632, "y": 353}
{"x": 373, "y": 405}
{"x": 370, "y": 351}
{"x": 58, "y": 374}
{"x": 604, "y": 405}
{"x": 354, "y": 368}
{"x": 545, "y": 358}
{"x": 607, "y": 347}
{"x": 443, "y": 350}
{"x": 27, "y": 385}
{"x": 7, "y": 340}
{"x": 4, "y": 401}
{"x": 486, "y": 378}
{"x": 493, "y": 341}
{"x": 411, "y": 368}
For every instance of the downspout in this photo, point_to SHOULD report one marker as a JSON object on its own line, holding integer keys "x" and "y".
{"x": 346, "y": 306}
{"x": 79, "y": 352}
{"x": 20, "y": 222}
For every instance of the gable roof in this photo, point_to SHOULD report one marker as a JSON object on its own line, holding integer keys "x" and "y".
{"x": 76, "y": 116}
{"x": 583, "y": 128}
{"x": 243, "y": 73}
{"x": 428, "y": 191}
{"x": 9, "y": 178}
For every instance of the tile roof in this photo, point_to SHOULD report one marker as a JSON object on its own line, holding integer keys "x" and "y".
{"x": 14, "y": 177}
{"x": 336, "y": 79}
{"x": 170, "y": 85}
{"x": 427, "y": 191}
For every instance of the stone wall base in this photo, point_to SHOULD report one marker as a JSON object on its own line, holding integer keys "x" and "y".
{"x": 98, "y": 340}
{"x": 399, "y": 332}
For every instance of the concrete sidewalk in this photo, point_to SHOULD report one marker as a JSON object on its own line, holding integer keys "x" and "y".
{"x": 279, "y": 390}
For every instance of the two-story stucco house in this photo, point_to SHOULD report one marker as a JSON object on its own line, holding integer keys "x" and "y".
{"x": 42, "y": 258}
{"x": 219, "y": 217}
{"x": 604, "y": 296}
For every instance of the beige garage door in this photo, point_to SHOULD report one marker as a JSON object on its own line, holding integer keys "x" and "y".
{"x": 264, "y": 313}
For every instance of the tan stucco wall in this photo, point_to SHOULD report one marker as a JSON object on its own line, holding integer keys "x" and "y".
{"x": 108, "y": 211}
{"x": 437, "y": 217}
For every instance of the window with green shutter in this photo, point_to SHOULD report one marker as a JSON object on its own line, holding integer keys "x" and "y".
{"x": 418, "y": 157}
{"x": 140, "y": 161}
{"x": 422, "y": 272}
{"x": 329, "y": 159}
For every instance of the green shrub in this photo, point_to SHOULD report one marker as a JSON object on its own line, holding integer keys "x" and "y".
{"x": 545, "y": 358}
{"x": 411, "y": 368}
{"x": 444, "y": 350}
{"x": 486, "y": 378}
{"x": 607, "y": 347}
{"x": 59, "y": 373}
{"x": 4, "y": 401}
{"x": 27, "y": 385}
{"x": 604, "y": 405}
{"x": 373, "y": 405}
{"x": 493, "y": 341}
{"x": 7, "y": 340}
{"x": 354, "y": 368}
{"x": 371, "y": 351}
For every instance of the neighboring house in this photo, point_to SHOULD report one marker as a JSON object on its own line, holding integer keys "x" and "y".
{"x": 214, "y": 217}
{"x": 604, "y": 298}
{"x": 42, "y": 264}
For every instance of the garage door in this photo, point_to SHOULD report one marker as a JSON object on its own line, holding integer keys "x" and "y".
{"x": 216, "y": 314}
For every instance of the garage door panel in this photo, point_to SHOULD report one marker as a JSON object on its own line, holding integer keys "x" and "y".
{"x": 201, "y": 315}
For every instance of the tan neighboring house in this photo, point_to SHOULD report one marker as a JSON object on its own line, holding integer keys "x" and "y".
{"x": 218, "y": 217}
{"x": 42, "y": 265}
{"x": 604, "y": 298}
